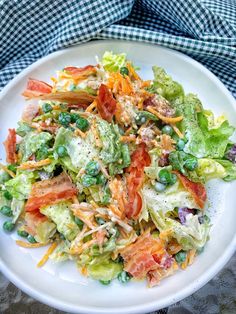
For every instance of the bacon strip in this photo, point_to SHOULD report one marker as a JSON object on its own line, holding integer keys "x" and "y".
{"x": 10, "y": 146}
{"x": 50, "y": 192}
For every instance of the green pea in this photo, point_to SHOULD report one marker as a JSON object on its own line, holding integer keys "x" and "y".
{"x": 74, "y": 117}
{"x": 82, "y": 124}
{"x": 79, "y": 222}
{"x": 101, "y": 179}
{"x": 46, "y": 108}
{"x": 6, "y": 210}
{"x": 140, "y": 119}
{"x": 159, "y": 187}
{"x": 7, "y": 195}
{"x": 180, "y": 144}
{"x": 92, "y": 168}
{"x": 22, "y": 233}
{"x": 124, "y": 277}
{"x": 167, "y": 129}
{"x": 180, "y": 257}
{"x": 61, "y": 151}
{"x": 166, "y": 177}
{"x": 105, "y": 282}
{"x": 31, "y": 239}
{"x": 12, "y": 168}
{"x": 64, "y": 118}
{"x": 8, "y": 226}
{"x": 191, "y": 163}
{"x": 124, "y": 71}
{"x": 88, "y": 180}
{"x": 100, "y": 221}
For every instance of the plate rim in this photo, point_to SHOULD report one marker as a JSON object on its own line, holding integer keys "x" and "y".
{"x": 153, "y": 305}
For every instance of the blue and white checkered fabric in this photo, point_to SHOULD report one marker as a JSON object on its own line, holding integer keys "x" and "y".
{"x": 203, "y": 29}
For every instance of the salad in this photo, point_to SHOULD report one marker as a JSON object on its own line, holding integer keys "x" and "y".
{"x": 109, "y": 170}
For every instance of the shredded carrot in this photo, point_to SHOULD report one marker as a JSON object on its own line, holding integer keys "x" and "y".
{"x": 127, "y": 132}
{"x": 47, "y": 254}
{"x": 191, "y": 256}
{"x": 84, "y": 271}
{"x": 140, "y": 105}
{"x": 80, "y": 133}
{"x": 128, "y": 139}
{"x": 92, "y": 106}
{"x": 115, "y": 210}
{"x": 165, "y": 234}
{"x": 166, "y": 142}
{"x": 132, "y": 72}
{"x": 11, "y": 173}
{"x": 30, "y": 245}
{"x": 34, "y": 164}
{"x": 120, "y": 84}
{"x": 146, "y": 83}
{"x": 174, "y": 247}
{"x": 79, "y": 250}
{"x": 185, "y": 263}
{"x": 170, "y": 120}
{"x": 177, "y": 131}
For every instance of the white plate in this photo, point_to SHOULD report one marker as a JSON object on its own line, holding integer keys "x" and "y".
{"x": 60, "y": 285}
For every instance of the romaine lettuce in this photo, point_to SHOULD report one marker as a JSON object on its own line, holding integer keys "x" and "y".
{"x": 45, "y": 231}
{"x": 230, "y": 169}
{"x": 61, "y": 215}
{"x": 113, "y": 62}
{"x": 32, "y": 142}
{"x": 191, "y": 235}
{"x": 20, "y": 186}
{"x": 104, "y": 271}
{"x": 80, "y": 151}
{"x": 166, "y": 201}
{"x": 17, "y": 207}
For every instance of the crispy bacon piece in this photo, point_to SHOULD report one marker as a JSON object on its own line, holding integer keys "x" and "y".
{"x": 35, "y": 88}
{"x": 33, "y": 219}
{"x": 80, "y": 73}
{"x": 139, "y": 160}
{"x": 139, "y": 256}
{"x": 10, "y": 146}
{"x": 106, "y": 104}
{"x": 197, "y": 190}
{"x": 50, "y": 191}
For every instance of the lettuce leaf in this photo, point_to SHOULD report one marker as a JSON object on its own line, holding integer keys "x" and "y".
{"x": 45, "y": 231}
{"x": 104, "y": 271}
{"x": 165, "y": 86}
{"x": 166, "y": 201}
{"x": 4, "y": 176}
{"x": 113, "y": 152}
{"x": 3, "y": 200}
{"x": 230, "y": 169}
{"x": 191, "y": 235}
{"x": 17, "y": 207}
{"x": 80, "y": 151}
{"x": 32, "y": 142}
{"x": 208, "y": 169}
{"x": 61, "y": 215}
{"x": 20, "y": 186}
{"x": 113, "y": 62}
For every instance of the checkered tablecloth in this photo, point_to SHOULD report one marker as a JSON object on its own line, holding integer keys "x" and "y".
{"x": 203, "y": 29}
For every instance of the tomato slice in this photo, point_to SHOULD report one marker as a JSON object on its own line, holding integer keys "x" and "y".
{"x": 10, "y": 146}
{"x": 139, "y": 160}
{"x": 197, "y": 190}
{"x": 106, "y": 104}
{"x": 78, "y": 73}
{"x": 50, "y": 191}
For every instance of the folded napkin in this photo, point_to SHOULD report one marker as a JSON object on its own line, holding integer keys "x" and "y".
{"x": 203, "y": 29}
